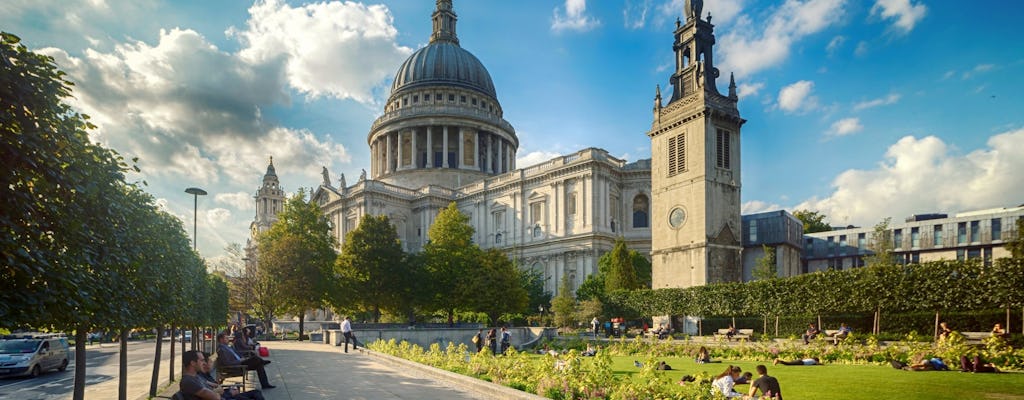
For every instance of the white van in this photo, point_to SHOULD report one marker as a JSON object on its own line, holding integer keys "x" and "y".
{"x": 32, "y": 353}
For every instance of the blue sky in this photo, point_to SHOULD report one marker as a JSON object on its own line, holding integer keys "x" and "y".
{"x": 859, "y": 109}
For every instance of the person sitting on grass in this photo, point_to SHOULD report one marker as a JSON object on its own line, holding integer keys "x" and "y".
{"x": 725, "y": 382}
{"x": 744, "y": 379}
{"x": 590, "y": 351}
{"x": 805, "y": 361}
{"x": 662, "y": 366}
{"x": 976, "y": 365}
{"x": 703, "y": 356}
{"x": 768, "y": 385}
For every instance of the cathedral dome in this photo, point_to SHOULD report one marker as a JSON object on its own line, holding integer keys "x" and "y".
{"x": 443, "y": 63}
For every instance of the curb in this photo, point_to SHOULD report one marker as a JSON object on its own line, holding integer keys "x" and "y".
{"x": 487, "y": 389}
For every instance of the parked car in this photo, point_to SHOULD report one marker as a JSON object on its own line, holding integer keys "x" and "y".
{"x": 32, "y": 353}
{"x": 187, "y": 335}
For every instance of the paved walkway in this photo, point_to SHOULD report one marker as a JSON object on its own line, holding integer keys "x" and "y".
{"x": 312, "y": 371}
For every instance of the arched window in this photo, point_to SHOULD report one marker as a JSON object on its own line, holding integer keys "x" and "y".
{"x": 640, "y": 211}
{"x": 497, "y": 239}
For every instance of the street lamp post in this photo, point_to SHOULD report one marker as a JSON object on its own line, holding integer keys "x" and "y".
{"x": 195, "y": 192}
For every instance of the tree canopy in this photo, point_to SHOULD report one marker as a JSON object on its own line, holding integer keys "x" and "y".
{"x": 814, "y": 221}
{"x": 450, "y": 255}
{"x": 372, "y": 269}
{"x": 297, "y": 254}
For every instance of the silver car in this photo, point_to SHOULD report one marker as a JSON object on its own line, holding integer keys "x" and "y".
{"x": 32, "y": 353}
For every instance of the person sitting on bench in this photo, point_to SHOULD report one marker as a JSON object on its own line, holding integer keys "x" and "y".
{"x": 227, "y": 356}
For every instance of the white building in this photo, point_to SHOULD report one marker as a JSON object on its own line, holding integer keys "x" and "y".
{"x": 443, "y": 138}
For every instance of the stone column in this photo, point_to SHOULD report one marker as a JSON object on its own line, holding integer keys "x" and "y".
{"x": 501, "y": 155}
{"x": 391, "y": 156}
{"x": 461, "y": 160}
{"x": 398, "y": 151}
{"x": 373, "y": 159}
{"x": 444, "y": 150}
{"x": 585, "y": 184}
{"x": 415, "y": 151}
{"x": 476, "y": 151}
{"x": 430, "y": 147}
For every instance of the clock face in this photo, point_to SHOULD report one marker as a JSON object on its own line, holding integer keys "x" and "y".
{"x": 677, "y": 217}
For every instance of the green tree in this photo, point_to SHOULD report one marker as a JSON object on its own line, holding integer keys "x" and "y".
{"x": 765, "y": 267}
{"x": 881, "y": 245}
{"x": 297, "y": 253}
{"x": 450, "y": 255}
{"x": 494, "y": 287}
{"x": 564, "y": 305}
{"x": 814, "y": 221}
{"x": 621, "y": 273}
{"x": 371, "y": 267}
{"x": 533, "y": 282}
{"x": 1016, "y": 246}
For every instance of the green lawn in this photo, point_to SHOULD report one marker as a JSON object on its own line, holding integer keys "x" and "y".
{"x": 842, "y": 381}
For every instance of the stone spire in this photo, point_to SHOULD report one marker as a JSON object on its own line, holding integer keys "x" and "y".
{"x": 444, "y": 23}
{"x": 732, "y": 87}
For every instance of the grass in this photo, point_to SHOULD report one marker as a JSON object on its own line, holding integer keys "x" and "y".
{"x": 842, "y": 381}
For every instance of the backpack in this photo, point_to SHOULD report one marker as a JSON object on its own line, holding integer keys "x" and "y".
{"x": 476, "y": 339}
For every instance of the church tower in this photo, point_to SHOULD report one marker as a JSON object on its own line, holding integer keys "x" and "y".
{"x": 269, "y": 202}
{"x": 695, "y": 167}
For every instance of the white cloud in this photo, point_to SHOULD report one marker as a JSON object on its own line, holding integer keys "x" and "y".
{"x": 980, "y": 68}
{"x": 535, "y": 157}
{"x": 834, "y": 44}
{"x": 217, "y": 216}
{"x": 758, "y": 206}
{"x": 926, "y": 175}
{"x": 343, "y": 50}
{"x": 862, "y": 49}
{"x": 634, "y": 16}
{"x": 753, "y": 46}
{"x": 845, "y": 126}
{"x": 884, "y": 101}
{"x": 797, "y": 97}
{"x": 749, "y": 89}
{"x": 905, "y": 12}
{"x": 574, "y": 18}
{"x": 238, "y": 200}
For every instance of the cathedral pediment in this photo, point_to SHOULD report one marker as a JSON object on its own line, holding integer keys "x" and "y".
{"x": 725, "y": 237}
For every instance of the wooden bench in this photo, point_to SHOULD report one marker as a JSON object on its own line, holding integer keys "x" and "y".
{"x": 830, "y": 334}
{"x": 975, "y": 337}
{"x": 740, "y": 334}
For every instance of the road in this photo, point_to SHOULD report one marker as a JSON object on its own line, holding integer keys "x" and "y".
{"x": 101, "y": 374}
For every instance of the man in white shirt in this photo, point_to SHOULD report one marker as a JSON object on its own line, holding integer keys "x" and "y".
{"x": 346, "y": 329}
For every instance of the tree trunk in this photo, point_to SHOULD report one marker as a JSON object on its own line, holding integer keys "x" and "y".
{"x": 764, "y": 325}
{"x": 170, "y": 340}
{"x": 776, "y": 326}
{"x": 700, "y": 327}
{"x": 122, "y": 379}
{"x": 302, "y": 318}
{"x": 451, "y": 318}
{"x": 936, "y": 335}
{"x": 1007, "y": 319}
{"x": 734, "y": 321}
{"x": 819, "y": 323}
{"x": 156, "y": 362}
{"x": 80, "y": 337}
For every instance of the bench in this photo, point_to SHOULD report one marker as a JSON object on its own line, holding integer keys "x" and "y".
{"x": 830, "y": 334}
{"x": 740, "y": 334}
{"x": 975, "y": 337}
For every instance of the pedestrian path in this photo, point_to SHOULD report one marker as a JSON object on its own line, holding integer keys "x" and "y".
{"x": 314, "y": 371}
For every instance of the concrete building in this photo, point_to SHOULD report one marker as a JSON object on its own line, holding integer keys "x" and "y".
{"x": 980, "y": 234}
{"x": 778, "y": 230}
{"x": 695, "y": 167}
{"x": 443, "y": 138}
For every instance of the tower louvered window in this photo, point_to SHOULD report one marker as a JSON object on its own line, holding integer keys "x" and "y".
{"x": 676, "y": 154}
{"x": 722, "y": 149}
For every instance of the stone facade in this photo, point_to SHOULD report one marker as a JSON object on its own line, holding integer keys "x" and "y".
{"x": 695, "y": 168}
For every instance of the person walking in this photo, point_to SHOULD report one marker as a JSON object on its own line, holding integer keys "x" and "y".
{"x": 506, "y": 339}
{"x": 478, "y": 340}
{"x": 595, "y": 324}
{"x": 346, "y": 329}
{"x": 492, "y": 341}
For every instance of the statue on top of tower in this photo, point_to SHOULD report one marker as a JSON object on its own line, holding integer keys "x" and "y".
{"x": 693, "y": 8}
{"x": 341, "y": 181}
{"x": 327, "y": 177}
